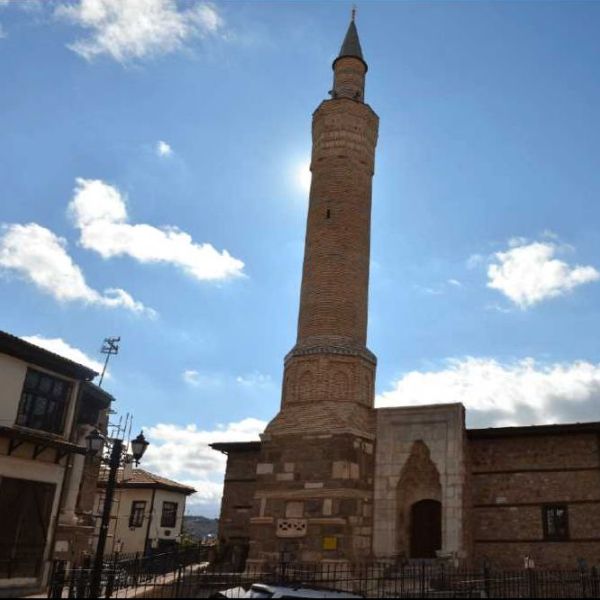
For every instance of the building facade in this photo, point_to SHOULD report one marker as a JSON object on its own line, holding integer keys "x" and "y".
{"x": 333, "y": 478}
{"x": 147, "y": 513}
{"x": 48, "y": 405}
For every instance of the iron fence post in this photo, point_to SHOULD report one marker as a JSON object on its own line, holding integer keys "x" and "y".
{"x": 594, "y": 582}
{"x": 532, "y": 583}
{"x": 178, "y": 581}
{"x": 486, "y": 580}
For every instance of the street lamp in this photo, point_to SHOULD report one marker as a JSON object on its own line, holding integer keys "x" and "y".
{"x": 138, "y": 447}
{"x": 95, "y": 442}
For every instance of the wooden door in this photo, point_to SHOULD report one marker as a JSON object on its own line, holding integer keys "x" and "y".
{"x": 425, "y": 529}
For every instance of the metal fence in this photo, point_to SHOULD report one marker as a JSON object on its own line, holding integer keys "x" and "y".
{"x": 130, "y": 572}
{"x": 189, "y": 575}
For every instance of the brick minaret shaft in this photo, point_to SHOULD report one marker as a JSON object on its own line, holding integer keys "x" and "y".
{"x": 314, "y": 479}
{"x": 330, "y": 362}
{"x": 335, "y": 278}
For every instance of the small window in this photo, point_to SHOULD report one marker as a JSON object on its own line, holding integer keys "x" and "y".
{"x": 328, "y": 214}
{"x": 136, "y": 517}
{"x": 169, "y": 514}
{"x": 43, "y": 403}
{"x": 555, "y": 521}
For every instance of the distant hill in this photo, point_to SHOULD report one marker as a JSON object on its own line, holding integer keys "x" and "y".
{"x": 199, "y": 527}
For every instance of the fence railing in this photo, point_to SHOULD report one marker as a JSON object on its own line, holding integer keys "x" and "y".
{"x": 123, "y": 571}
{"x": 189, "y": 575}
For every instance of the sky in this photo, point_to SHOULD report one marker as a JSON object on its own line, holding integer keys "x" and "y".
{"x": 154, "y": 182}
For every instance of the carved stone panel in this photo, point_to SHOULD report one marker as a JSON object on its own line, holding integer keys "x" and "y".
{"x": 291, "y": 528}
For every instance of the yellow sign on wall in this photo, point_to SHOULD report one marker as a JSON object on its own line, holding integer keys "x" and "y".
{"x": 329, "y": 543}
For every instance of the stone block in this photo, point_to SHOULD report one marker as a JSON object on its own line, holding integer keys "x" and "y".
{"x": 340, "y": 469}
{"x": 264, "y": 468}
{"x": 294, "y": 509}
{"x": 313, "y": 485}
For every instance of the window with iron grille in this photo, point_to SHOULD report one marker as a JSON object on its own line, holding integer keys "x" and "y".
{"x": 556, "y": 522}
{"x": 44, "y": 401}
{"x": 169, "y": 514}
{"x": 136, "y": 517}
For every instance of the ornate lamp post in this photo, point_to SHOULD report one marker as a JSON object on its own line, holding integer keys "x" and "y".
{"x": 95, "y": 443}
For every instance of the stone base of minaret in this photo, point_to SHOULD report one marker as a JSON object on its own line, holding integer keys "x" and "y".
{"x": 314, "y": 498}
{"x": 314, "y": 479}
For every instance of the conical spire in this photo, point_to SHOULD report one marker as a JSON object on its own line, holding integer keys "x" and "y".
{"x": 351, "y": 44}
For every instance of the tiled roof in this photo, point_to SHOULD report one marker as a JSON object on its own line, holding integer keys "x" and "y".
{"x": 144, "y": 479}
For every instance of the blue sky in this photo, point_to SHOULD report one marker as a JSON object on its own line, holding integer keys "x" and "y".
{"x": 169, "y": 163}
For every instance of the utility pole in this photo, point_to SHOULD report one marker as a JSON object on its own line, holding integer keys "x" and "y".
{"x": 110, "y": 346}
{"x": 113, "y": 467}
{"x": 95, "y": 443}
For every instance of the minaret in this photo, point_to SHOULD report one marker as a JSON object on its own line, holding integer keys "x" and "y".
{"x": 314, "y": 477}
{"x": 329, "y": 374}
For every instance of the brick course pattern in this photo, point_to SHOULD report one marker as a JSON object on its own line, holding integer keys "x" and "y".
{"x": 513, "y": 478}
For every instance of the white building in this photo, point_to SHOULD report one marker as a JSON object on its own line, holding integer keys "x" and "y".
{"x": 48, "y": 405}
{"x": 147, "y": 513}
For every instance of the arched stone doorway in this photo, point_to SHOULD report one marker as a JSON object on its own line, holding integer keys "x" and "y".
{"x": 418, "y": 487}
{"x": 425, "y": 528}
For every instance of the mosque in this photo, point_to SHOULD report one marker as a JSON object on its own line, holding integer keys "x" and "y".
{"x": 333, "y": 478}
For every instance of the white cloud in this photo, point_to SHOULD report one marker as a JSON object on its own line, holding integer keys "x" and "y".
{"x": 183, "y": 454}
{"x": 496, "y": 393}
{"x": 528, "y": 273}
{"x": 62, "y": 348}
{"x": 455, "y": 282}
{"x": 191, "y": 376}
{"x": 197, "y": 379}
{"x": 255, "y": 379}
{"x": 163, "y": 149}
{"x": 99, "y": 211}
{"x": 40, "y": 256}
{"x": 474, "y": 261}
{"x": 138, "y": 29}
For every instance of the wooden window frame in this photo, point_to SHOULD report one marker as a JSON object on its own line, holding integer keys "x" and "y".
{"x": 547, "y": 511}
{"x": 137, "y": 514}
{"x": 165, "y": 521}
{"x": 43, "y": 409}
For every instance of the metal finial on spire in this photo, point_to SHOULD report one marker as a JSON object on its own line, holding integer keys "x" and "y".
{"x": 353, "y": 12}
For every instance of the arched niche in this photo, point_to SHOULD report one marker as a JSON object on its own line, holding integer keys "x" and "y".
{"x": 419, "y": 481}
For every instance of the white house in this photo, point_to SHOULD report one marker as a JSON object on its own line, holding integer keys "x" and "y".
{"x": 147, "y": 512}
{"x": 47, "y": 407}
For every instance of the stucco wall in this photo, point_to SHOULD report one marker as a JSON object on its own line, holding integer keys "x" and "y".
{"x": 133, "y": 539}
{"x": 21, "y": 464}
{"x": 12, "y": 376}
